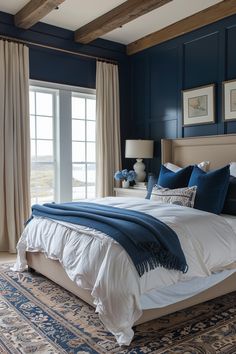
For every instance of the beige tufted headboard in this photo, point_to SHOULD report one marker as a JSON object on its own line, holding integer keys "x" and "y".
{"x": 218, "y": 149}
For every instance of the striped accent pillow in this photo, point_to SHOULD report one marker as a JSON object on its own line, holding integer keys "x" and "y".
{"x": 179, "y": 196}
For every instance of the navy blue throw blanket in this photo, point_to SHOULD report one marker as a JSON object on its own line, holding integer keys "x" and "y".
{"x": 148, "y": 241}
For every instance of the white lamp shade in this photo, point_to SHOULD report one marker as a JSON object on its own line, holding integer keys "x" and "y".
{"x": 141, "y": 149}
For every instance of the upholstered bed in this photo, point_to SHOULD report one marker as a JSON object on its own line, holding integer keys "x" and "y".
{"x": 219, "y": 150}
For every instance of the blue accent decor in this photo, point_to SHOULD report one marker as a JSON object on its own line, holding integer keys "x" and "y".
{"x": 148, "y": 241}
{"x": 211, "y": 188}
{"x": 230, "y": 200}
{"x": 173, "y": 180}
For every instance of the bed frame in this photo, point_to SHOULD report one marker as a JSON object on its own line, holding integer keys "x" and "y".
{"x": 219, "y": 150}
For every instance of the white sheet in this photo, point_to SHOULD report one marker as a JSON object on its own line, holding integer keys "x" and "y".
{"x": 208, "y": 242}
{"x": 231, "y": 219}
{"x": 181, "y": 290}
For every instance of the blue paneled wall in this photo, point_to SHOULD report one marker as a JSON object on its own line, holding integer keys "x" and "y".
{"x": 159, "y": 74}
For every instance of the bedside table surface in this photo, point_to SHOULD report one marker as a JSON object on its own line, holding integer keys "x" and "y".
{"x": 131, "y": 192}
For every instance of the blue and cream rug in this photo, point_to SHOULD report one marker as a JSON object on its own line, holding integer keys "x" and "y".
{"x": 37, "y": 316}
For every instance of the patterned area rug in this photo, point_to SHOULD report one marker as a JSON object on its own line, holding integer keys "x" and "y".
{"x": 37, "y": 316}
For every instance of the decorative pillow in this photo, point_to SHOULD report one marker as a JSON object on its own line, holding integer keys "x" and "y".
{"x": 180, "y": 196}
{"x": 204, "y": 165}
{"x": 233, "y": 169}
{"x": 172, "y": 180}
{"x": 230, "y": 200}
{"x": 211, "y": 188}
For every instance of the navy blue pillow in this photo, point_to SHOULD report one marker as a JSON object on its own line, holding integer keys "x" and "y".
{"x": 172, "y": 180}
{"x": 211, "y": 188}
{"x": 230, "y": 200}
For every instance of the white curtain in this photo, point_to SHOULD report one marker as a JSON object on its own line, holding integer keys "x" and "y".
{"x": 14, "y": 143}
{"x": 108, "y": 154}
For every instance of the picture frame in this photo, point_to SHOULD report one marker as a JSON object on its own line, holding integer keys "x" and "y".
{"x": 198, "y": 105}
{"x": 229, "y": 100}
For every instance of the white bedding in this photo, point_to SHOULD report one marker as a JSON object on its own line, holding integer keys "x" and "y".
{"x": 231, "y": 219}
{"x": 208, "y": 242}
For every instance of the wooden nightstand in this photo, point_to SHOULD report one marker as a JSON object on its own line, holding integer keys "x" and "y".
{"x": 131, "y": 192}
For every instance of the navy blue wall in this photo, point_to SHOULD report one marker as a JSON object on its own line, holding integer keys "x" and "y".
{"x": 158, "y": 75}
{"x": 53, "y": 66}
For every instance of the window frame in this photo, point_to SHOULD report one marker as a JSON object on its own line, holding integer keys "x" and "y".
{"x": 62, "y": 131}
{"x": 54, "y": 93}
{"x": 86, "y": 163}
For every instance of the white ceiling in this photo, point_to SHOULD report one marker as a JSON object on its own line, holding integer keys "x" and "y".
{"x": 73, "y": 14}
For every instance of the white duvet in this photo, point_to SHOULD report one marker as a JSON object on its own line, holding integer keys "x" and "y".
{"x": 98, "y": 263}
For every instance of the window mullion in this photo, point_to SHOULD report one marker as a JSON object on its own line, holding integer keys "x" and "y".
{"x": 64, "y": 147}
{"x": 86, "y": 166}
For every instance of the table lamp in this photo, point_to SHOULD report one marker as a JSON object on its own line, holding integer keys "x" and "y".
{"x": 139, "y": 149}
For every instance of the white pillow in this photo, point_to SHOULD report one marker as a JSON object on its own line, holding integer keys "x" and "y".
{"x": 179, "y": 196}
{"x": 232, "y": 169}
{"x": 202, "y": 165}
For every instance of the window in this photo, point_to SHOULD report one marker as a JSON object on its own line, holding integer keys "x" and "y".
{"x": 42, "y": 117}
{"x": 83, "y": 146}
{"x": 63, "y": 155}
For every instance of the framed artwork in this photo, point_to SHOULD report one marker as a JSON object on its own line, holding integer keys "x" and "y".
{"x": 229, "y": 100}
{"x": 199, "y": 105}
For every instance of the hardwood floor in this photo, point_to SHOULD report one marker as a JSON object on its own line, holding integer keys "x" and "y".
{"x": 6, "y": 257}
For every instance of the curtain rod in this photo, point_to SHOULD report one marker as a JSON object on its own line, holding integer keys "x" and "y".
{"x": 57, "y": 49}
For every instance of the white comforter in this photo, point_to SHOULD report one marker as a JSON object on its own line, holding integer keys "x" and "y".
{"x": 98, "y": 263}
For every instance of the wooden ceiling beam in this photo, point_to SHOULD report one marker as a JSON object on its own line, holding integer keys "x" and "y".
{"x": 120, "y": 15}
{"x": 34, "y": 11}
{"x": 205, "y": 17}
